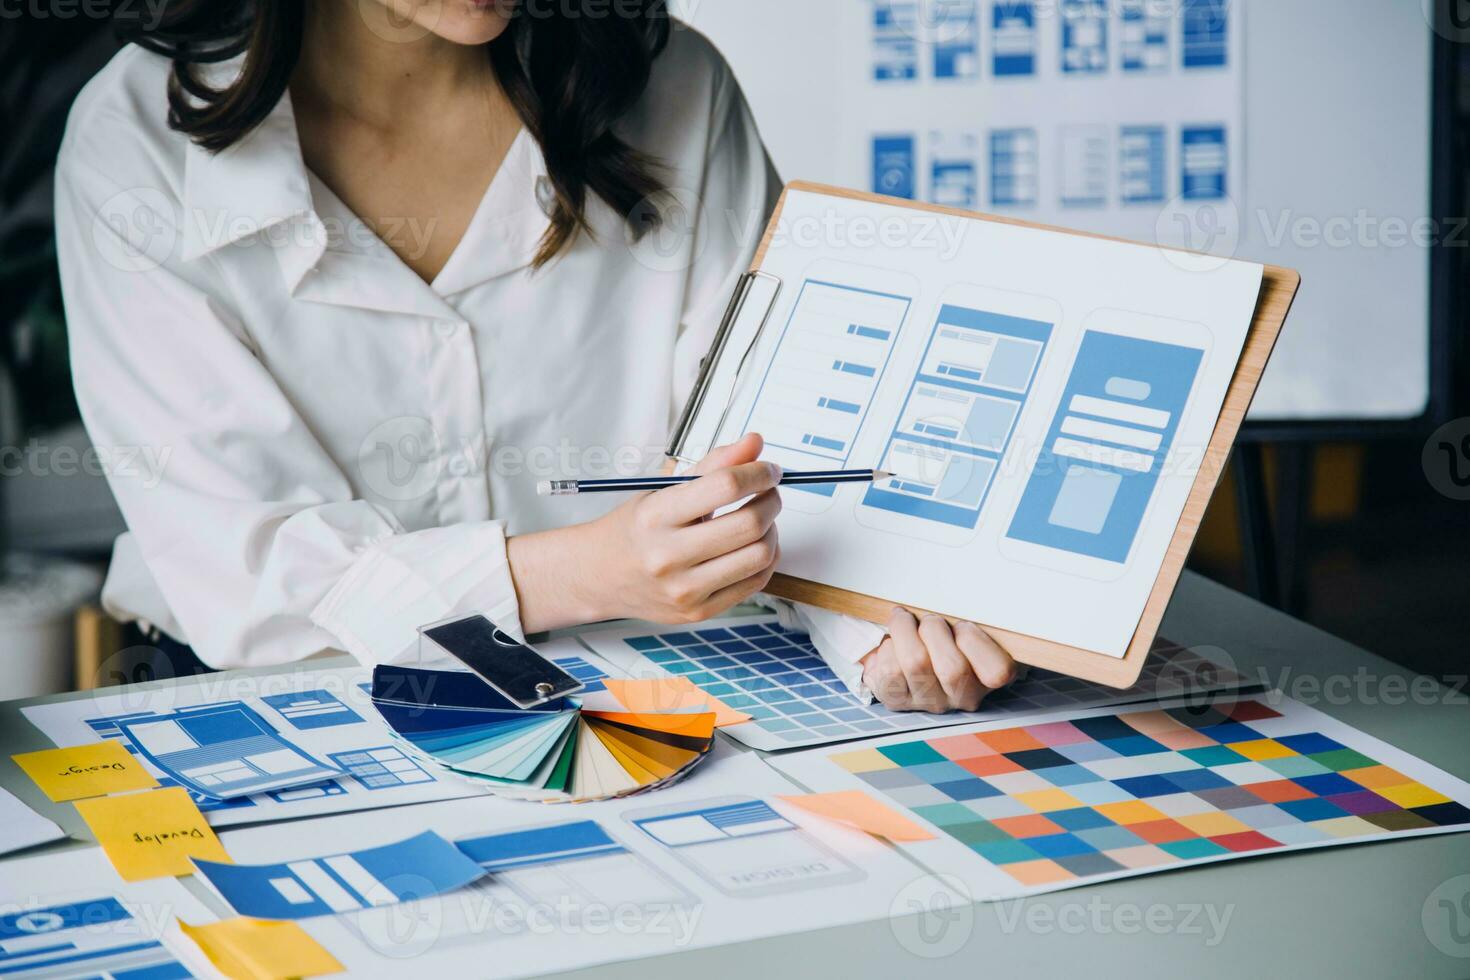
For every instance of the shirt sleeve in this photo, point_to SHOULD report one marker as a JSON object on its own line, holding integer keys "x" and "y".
{"x": 841, "y": 640}
{"x": 251, "y": 531}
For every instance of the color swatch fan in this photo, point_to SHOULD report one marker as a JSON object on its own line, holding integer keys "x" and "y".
{"x": 557, "y": 752}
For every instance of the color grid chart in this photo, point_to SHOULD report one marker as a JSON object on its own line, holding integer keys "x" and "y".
{"x": 1110, "y": 794}
{"x": 776, "y": 676}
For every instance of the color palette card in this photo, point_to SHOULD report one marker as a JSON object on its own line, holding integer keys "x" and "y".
{"x": 557, "y": 752}
{"x": 1113, "y": 793}
{"x": 754, "y": 665}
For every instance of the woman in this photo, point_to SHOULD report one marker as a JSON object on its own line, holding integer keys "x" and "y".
{"x": 357, "y": 273}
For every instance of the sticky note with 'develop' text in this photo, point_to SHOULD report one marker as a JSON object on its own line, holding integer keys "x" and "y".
{"x": 153, "y": 834}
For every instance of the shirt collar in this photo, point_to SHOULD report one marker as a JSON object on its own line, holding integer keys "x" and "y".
{"x": 507, "y": 227}
{"x": 261, "y": 182}
{"x": 255, "y": 184}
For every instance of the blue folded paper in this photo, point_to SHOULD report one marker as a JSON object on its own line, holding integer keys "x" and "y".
{"x": 419, "y": 867}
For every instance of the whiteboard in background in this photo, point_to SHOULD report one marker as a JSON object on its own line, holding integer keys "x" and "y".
{"x": 1331, "y": 175}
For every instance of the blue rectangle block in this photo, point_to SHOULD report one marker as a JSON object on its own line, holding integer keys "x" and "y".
{"x": 540, "y": 845}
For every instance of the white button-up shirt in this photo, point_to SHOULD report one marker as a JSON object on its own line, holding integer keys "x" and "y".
{"x": 334, "y": 450}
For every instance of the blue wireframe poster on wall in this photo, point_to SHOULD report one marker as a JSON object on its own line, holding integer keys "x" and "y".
{"x": 1119, "y": 116}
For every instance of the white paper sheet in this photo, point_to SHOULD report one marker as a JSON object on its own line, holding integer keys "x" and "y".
{"x": 1045, "y": 400}
{"x": 327, "y": 712}
{"x": 1320, "y": 800}
{"x": 75, "y": 898}
{"x": 640, "y": 895}
{"x": 22, "y": 827}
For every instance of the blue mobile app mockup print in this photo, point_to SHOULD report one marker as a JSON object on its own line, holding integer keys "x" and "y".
{"x": 1204, "y": 161}
{"x": 1084, "y": 36}
{"x": 955, "y": 25}
{"x": 1205, "y": 25}
{"x": 1143, "y": 35}
{"x": 1142, "y": 164}
{"x": 1106, "y": 446}
{"x": 895, "y": 40}
{"x": 894, "y": 166}
{"x": 961, "y": 410}
{"x": 1015, "y": 164}
{"x": 954, "y": 175}
{"x": 1013, "y": 39}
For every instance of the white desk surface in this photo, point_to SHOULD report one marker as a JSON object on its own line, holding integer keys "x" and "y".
{"x": 1339, "y": 912}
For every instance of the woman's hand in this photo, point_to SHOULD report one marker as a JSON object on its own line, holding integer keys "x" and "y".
{"x": 661, "y": 555}
{"x": 924, "y": 665}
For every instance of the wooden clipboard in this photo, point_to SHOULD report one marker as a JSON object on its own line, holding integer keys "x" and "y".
{"x": 1278, "y": 290}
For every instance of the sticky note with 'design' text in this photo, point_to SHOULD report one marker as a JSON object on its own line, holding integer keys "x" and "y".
{"x": 153, "y": 834}
{"x": 79, "y": 771}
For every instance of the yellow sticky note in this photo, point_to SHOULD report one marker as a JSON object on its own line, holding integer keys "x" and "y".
{"x": 153, "y": 834}
{"x": 255, "y": 949}
{"x": 670, "y": 695}
{"x": 859, "y": 810}
{"x": 80, "y": 771}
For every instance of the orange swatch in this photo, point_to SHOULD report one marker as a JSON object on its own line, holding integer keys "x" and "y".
{"x": 660, "y": 695}
{"x": 691, "y": 726}
{"x": 859, "y": 810}
{"x": 650, "y": 753}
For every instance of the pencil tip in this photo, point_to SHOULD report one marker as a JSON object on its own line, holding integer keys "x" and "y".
{"x": 881, "y": 475}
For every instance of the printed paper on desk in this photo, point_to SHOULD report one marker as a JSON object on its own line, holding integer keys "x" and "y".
{"x": 223, "y": 752}
{"x": 22, "y": 827}
{"x": 151, "y": 834}
{"x": 58, "y": 918}
{"x": 79, "y": 771}
{"x": 1042, "y": 399}
{"x": 326, "y": 713}
{"x": 554, "y": 872}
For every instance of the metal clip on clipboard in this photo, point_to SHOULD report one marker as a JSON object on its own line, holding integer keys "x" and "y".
{"x": 745, "y": 289}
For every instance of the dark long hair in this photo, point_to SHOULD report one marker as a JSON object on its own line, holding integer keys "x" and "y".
{"x": 570, "y": 73}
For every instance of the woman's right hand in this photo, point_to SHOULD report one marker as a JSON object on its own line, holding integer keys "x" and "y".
{"x": 660, "y": 556}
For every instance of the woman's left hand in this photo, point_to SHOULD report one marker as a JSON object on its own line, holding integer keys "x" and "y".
{"x": 925, "y": 665}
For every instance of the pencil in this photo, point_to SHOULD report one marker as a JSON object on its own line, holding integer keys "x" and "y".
{"x": 567, "y": 488}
